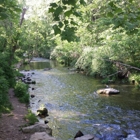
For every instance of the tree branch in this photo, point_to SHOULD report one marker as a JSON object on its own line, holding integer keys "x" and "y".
{"x": 22, "y": 16}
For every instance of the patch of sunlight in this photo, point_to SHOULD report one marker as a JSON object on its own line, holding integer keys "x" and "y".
{"x": 65, "y": 114}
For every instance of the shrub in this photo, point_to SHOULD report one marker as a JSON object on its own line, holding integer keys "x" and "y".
{"x": 25, "y": 98}
{"x": 21, "y": 91}
{"x": 31, "y": 117}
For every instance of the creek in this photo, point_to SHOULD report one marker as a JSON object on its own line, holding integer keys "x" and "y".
{"x": 73, "y": 105}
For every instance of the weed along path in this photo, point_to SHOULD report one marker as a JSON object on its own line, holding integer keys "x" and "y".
{"x": 73, "y": 106}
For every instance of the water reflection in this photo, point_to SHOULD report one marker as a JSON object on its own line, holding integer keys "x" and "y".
{"x": 74, "y": 106}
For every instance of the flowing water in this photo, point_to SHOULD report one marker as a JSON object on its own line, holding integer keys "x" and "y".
{"x": 73, "y": 105}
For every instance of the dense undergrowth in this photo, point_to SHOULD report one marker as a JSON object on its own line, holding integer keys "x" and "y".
{"x": 7, "y": 80}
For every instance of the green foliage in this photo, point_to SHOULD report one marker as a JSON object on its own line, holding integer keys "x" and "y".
{"x": 84, "y": 62}
{"x": 7, "y": 70}
{"x": 136, "y": 78}
{"x": 31, "y": 118}
{"x": 126, "y": 16}
{"x": 105, "y": 81}
{"x": 4, "y": 101}
{"x": 65, "y": 12}
{"x": 65, "y": 53}
{"x": 21, "y": 91}
{"x": 7, "y": 80}
{"x": 25, "y": 98}
{"x": 8, "y": 9}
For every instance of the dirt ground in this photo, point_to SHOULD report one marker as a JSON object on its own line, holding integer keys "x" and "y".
{"x": 10, "y": 124}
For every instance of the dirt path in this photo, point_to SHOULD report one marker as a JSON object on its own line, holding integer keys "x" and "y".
{"x": 10, "y": 123}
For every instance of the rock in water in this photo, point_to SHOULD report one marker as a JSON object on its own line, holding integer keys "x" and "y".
{"x": 79, "y": 134}
{"x": 42, "y": 112}
{"x": 108, "y": 91}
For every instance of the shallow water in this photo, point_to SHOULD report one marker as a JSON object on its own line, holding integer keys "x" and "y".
{"x": 74, "y": 106}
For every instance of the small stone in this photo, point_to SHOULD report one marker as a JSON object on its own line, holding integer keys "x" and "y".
{"x": 32, "y": 96}
{"x": 46, "y": 121}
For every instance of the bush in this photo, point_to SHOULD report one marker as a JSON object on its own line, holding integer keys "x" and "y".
{"x": 21, "y": 91}
{"x": 136, "y": 79}
{"x": 25, "y": 98}
{"x": 31, "y": 118}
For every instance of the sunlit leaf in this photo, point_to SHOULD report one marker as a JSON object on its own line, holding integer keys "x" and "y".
{"x": 51, "y": 10}
{"x": 68, "y": 13}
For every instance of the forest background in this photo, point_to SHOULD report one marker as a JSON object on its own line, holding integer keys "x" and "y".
{"x": 99, "y": 38}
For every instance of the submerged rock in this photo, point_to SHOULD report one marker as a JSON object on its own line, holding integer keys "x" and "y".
{"x": 108, "y": 91}
{"x": 32, "y": 96}
{"x": 46, "y": 69}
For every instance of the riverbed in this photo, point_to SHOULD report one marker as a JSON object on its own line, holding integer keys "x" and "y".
{"x": 73, "y": 105}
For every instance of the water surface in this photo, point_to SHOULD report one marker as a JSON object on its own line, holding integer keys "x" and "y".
{"x": 74, "y": 106}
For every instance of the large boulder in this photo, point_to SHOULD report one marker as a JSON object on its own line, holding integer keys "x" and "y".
{"x": 108, "y": 91}
{"x": 41, "y": 136}
{"x": 38, "y": 127}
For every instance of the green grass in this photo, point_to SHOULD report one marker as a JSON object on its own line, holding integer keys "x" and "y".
{"x": 31, "y": 117}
